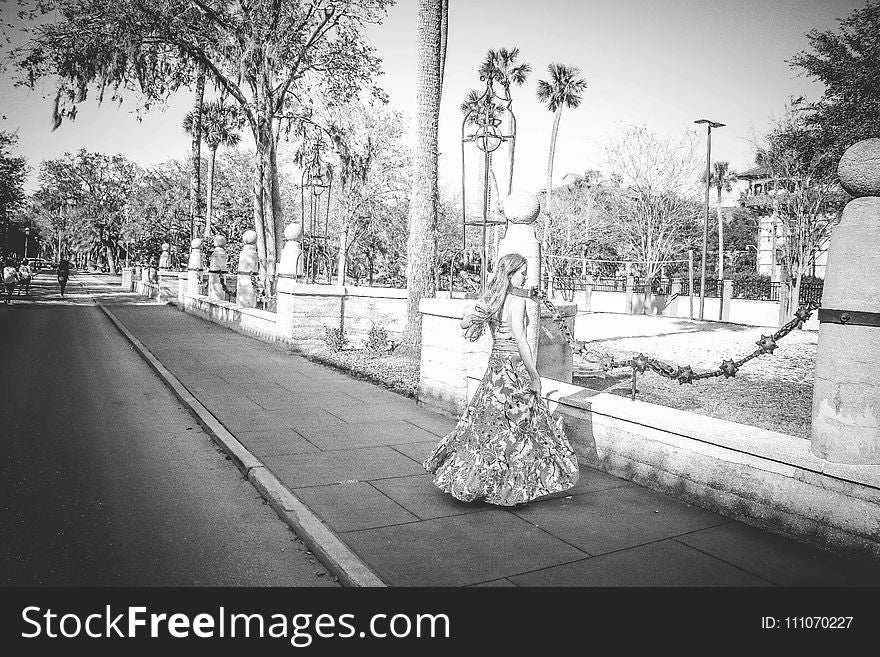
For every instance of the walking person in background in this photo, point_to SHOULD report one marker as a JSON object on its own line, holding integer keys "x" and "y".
{"x": 64, "y": 268}
{"x": 10, "y": 279}
{"x": 25, "y": 273}
{"x": 506, "y": 448}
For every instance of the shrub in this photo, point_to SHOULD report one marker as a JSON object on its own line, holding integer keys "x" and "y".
{"x": 335, "y": 339}
{"x": 377, "y": 339}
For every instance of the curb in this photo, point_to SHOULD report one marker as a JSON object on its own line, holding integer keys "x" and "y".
{"x": 314, "y": 532}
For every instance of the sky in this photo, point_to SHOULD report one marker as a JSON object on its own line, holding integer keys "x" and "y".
{"x": 657, "y": 63}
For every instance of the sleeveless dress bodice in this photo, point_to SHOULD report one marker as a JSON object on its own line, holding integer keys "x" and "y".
{"x": 503, "y": 341}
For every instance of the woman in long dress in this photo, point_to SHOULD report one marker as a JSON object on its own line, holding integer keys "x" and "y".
{"x": 506, "y": 449}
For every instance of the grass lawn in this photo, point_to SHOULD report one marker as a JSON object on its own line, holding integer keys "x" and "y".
{"x": 771, "y": 392}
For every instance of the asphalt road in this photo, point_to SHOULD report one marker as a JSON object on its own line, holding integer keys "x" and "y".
{"x": 105, "y": 479}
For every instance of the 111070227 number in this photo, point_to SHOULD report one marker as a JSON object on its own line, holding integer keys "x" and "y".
{"x": 806, "y": 622}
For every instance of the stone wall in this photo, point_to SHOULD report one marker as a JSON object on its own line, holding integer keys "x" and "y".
{"x": 308, "y": 309}
{"x": 249, "y": 321}
{"x": 740, "y": 311}
{"x": 763, "y": 478}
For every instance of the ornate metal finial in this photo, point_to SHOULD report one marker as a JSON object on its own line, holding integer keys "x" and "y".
{"x": 729, "y": 368}
{"x": 767, "y": 344}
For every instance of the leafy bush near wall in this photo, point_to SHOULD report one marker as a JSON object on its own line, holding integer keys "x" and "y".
{"x": 335, "y": 339}
{"x": 377, "y": 339}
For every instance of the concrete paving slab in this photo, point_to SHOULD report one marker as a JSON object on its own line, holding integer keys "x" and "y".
{"x": 263, "y": 419}
{"x": 275, "y": 442}
{"x": 591, "y": 480}
{"x": 347, "y": 507}
{"x": 617, "y": 518}
{"x": 365, "y": 413}
{"x": 778, "y": 559}
{"x": 417, "y": 451}
{"x": 229, "y": 405}
{"x": 495, "y": 583}
{"x": 665, "y": 563}
{"x": 366, "y": 464}
{"x": 418, "y": 495}
{"x": 372, "y": 434}
{"x": 455, "y": 551}
{"x": 436, "y": 424}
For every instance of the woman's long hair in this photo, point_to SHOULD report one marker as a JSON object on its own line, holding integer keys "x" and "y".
{"x": 488, "y": 308}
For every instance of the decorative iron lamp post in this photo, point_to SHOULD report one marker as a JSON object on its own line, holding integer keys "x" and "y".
{"x": 27, "y": 237}
{"x": 710, "y": 125}
{"x": 487, "y": 138}
{"x": 317, "y": 178}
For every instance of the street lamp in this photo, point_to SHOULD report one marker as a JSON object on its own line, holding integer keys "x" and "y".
{"x": 27, "y": 236}
{"x": 757, "y": 263}
{"x": 710, "y": 125}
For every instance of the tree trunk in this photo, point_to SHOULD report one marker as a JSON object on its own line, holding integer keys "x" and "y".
{"x": 195, "y": 180}
{"x": 277, "y": 215}
{"x": 720, "y": 240}
{"x": 422, "y": 242}
{"x": 512, "y": 153}
{"x": 548, "y": 193}
{"x": 340, "y": 265}
{"x": 259, "y": 214}
{"x": 209, "y": 214}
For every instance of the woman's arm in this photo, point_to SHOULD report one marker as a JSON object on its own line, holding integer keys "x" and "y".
{"x": 517, "y": 319}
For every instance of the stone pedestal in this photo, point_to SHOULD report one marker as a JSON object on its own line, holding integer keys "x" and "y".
{"x": 194, "y": 268}
{"x": 128, "y": 279}
{"x": 248, "y": 265}
{"x": 726, "y": 297}
{"x": 521, "y": 210}
{"x": 555, "y": 359}
{"x": 166, "y": 278}
{"x": 217, "y": 269}
{"x": 846, "y": 392}
{"x": 290, "y": 267}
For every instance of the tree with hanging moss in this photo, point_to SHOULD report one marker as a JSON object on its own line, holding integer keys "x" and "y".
{"x": 264, "y": 54}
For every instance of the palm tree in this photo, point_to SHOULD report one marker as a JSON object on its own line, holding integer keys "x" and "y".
{"x": 563, "y": 90}
{"x": 421, "y": 246}
{"x": 722, "y": 179}
{"x": 501, "y": 66}
{"x": 195, "y": 176}
{"x": 221, "y": 124}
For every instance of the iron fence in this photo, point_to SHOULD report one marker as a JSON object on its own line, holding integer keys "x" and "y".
{"x": 811, "y": 292}
{"x": 756, "y": 290}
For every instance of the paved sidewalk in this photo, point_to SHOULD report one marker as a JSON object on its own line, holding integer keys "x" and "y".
{"x": 351, "y": 452}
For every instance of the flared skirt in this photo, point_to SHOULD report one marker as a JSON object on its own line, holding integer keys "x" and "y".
{"x": 506, "y": 449}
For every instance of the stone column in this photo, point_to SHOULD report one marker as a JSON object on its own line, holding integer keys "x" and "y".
{"x": 555, "y": 359}
{"x": 248, "y": 263}
{"x": 290, "y": 267}
{"x": 671, "y": 309}
{"x": 217, "y": 269}
{"x": 726, "y": 296}
{"x": 181, "y": 288}
{"x": 194, "y": 268}
{"x": 521, "y": 210}
{"x": 167, "y": 278}
{"x": 127, "y": 279}
{"x": 630, "y": 290}
{"x": 846, "y": 392}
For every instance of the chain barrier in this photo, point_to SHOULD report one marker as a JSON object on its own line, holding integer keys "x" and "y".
{"x": 229, "y": 293}
{"x": 262, "y": 297}
{"x": 728, "y": 368}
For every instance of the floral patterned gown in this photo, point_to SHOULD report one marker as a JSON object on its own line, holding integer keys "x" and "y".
{"x": 506, "y": 449}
